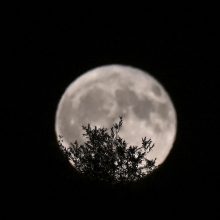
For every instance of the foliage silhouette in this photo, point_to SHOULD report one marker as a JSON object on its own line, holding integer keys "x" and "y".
{"x": 106, "y": 157}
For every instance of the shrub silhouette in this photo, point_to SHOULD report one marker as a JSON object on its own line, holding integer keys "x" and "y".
{"x": 106, "y": 157}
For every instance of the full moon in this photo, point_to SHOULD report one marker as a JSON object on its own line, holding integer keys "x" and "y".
{"x": 102, "y": 94}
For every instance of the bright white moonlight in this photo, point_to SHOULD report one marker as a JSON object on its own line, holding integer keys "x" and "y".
{"x": 101, "y": 95}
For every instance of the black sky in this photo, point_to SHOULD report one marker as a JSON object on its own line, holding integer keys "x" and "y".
{"x": 48, "y": 46}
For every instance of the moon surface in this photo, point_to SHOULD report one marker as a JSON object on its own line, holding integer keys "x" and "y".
{"x": 102, "y": 94}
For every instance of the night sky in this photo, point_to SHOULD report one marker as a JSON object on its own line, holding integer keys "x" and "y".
{"x": 52, "y": 45}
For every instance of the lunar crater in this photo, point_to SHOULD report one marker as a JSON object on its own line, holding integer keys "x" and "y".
{"x": 156, "y": 90}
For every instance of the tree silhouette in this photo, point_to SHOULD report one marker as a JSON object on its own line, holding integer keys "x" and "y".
{"x": 106, "y": 157}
